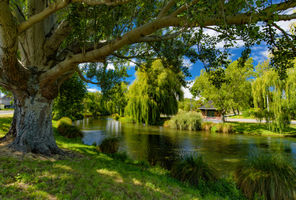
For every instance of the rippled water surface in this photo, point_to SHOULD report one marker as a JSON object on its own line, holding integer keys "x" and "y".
{"x": 162, "y": 146}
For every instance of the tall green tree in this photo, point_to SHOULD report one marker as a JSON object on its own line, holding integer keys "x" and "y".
{"x": 274, "y": 97}
{"x": 69, "y": 101}
{"x": 234, "y": 91}
{"x": 42, "y": 42}
{"x": 155, "y": 91}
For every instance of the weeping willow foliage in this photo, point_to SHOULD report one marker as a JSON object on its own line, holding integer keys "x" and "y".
{"x": 155, "y": 91}
{"x": 274, "y": 98}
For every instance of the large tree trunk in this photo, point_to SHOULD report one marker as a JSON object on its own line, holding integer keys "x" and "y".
{"x": 33, "y": 125}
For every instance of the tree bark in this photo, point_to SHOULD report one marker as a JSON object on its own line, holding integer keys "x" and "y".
{"x": 33, "y": 126}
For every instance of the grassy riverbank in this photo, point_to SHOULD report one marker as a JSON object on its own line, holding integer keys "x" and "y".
{"x": 92, "y": 175}
{"x": 261, "y": 129}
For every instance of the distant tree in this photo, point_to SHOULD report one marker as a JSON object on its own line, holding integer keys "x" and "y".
{"x": 155, "y": 91}
{"x": 233, "y": 92}
{"x": 114, "y": 101}
{"x": 117, "y": 99}
{"x": 94, "y": 104}
{"x": 189, "y": 104}
{"x": 70, "y": 98}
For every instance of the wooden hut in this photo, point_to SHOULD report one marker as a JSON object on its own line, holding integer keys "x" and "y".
{"x": 210, "y": 113}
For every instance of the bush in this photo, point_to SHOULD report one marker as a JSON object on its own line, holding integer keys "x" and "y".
{"x": 126, "y": 119}
{"x": 217, "y": 128}
{"x": 66, "y": 129}
{"x": 109, "y": 146}
{"x": 186, "y": 121}
{"x": 116, "y": 116}
{"x": 207, "y": 126}
{"x": 268, "y": 176}
{"x": 194, "y": 170}
{"x": 64, "y": 120}
{"x": 227, "y": 128}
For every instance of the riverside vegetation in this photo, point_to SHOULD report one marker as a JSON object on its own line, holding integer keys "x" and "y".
{"x": 88, "y": 174}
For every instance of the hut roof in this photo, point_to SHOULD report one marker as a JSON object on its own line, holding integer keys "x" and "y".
{"x": 208, "y": 106}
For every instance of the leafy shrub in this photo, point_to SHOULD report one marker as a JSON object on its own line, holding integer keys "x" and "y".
{"x": 109, "y": 146}
{"x": 116, "y": 116}
{"x": 194, "y": 170}
{"x": 217, "y": 128}
{"x": 66, "y": 129}
{"x": 207, "y": 126}
{"x": 127, "y": 119}
{"x": 227, "y": 128}
{"x": 64, "y": 120}
{"x": 166, "y": 123}
{"x": 268, "y": 176}
{"x": 186, "y": 121}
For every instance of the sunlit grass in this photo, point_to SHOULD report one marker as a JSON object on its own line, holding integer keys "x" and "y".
{"x": 260, "y": 129}
{"x": 4, "y": 124}
{"x": 91, "y": 175}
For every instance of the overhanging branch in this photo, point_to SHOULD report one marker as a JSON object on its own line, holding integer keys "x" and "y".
{"x": 83, "y": 78}
{"x": 60, "y": 4}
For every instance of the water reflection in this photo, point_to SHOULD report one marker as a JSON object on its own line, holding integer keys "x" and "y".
{"x": 162, "y": 146}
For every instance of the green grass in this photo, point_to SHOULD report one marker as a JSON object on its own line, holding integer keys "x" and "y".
{"x": 4, "y": 125}
{"x": 269, "y": 176}
{"x": 261, "y": 129}
{"x": 91, "y": 175}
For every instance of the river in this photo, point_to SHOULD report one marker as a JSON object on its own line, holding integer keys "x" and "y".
{"x": 162, "y": 146}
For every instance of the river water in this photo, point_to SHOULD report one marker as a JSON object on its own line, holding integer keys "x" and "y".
{"x": 162, "y": 146}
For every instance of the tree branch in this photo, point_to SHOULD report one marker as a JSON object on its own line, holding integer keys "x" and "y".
{"x": 52, "y": 8}
{"x": 165, "y": 9}
{"x": 285, "y": 35}
{"x": 183, "y": 8}
{"x": 135, "y": 36}
{"x": 60, "y": 4}
{"x": 102, "y": 2}
{"x": 155, "y": 38}
{"x": 83, "y": 78}
{"x": 54, "y": 42}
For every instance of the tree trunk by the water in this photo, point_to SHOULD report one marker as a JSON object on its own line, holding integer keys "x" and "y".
{"x": 33, "y": 126}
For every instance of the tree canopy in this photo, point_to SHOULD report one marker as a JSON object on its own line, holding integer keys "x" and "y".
{"x": 275, "y": 98}
{"x": 155, "y": 91}
{"x": 69, "y": 101}
{"x": 233, "y": 92}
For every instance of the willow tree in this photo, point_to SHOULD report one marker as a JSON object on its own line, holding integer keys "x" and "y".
{"x": 155, "y": 91}
{"x": 43, "y": 41}
{"x": 274, "y": 97}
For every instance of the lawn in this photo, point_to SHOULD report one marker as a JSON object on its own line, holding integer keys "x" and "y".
{"x": 4, "y": 124}
{"x": 88, "y": 174}
{"x": 261, "y": 129}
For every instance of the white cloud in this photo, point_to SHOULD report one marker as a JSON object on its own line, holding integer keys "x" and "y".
{"x": 92, "y": 90}
{"x": 286, "y": 25}
{"x": 187, "y": 63}
{"x": 110, "y": 66}
{"x": 187, "y": 93}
